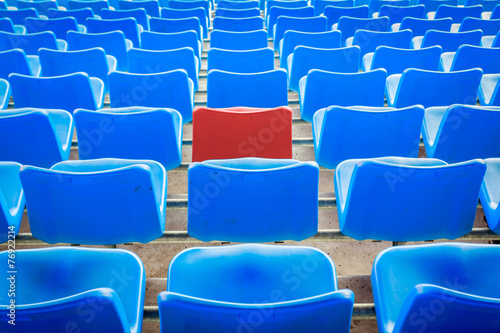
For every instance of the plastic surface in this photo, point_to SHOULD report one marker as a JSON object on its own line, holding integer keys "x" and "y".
{"x": 451, "y": 41}
{"x": 66, "y": 92}
{"x": 305, "y": 24}
{"x": 396, "y": 14}
{"x": 433, "y": 5}
{"x": 320, "y": 5}
{"x": 139, "y": 14}
{"x": 407, "y": 199}
{"x": 396, "y": 61}
{"x": 242, "y": 132}
{"x": 251, "y": 61}
{"x": 260, "y": 90}
{"x": 470, "y": 56}
{"x": 489, "y": 27}
{"x": 171, "y": 89}
{"x": 96, "y": 6}
{"x": 454, "y": 284}
{"x": 59, "y": 26}
{"x": 320, "y": 89}
{"x": 96, "y": 290}
{"x": 489, "y": 194}
{"x": 126, "y": 25}
{"x": 18, "y": 16}
{"x": 42, "y": 7}
{"x": 304, "y": 58}
{"x": 268, "y": 4}
{"x": 496, "y": 13}
{"x": 429, "y": 88}
{"x": 489, "y": 90}
{"x": 6, "y": 25}
{"x": 170, "y": 41}
{"x": 150, "y": 6}
{"x": 458, "y": 14}
{"x": 172, "y": 13}
{"x": 124, "y": 200}
{"x": 238, "y": 24}
{"x": 419, "y": 27}
{"x": 488, "y": 5}
{"x": 341, "y": 133}
{"x": 375, "y": 5}
{"x": 276, "y": 11}
{"x": 29, "y": 43}
{"x": 131, "y": 133}
{"x": 237, "y": 13}
{"x": 349, "y": 25}
{"x": 80, "y": 15}
{"x": 176, "y": 25}
{"x": 178, "y": 4}
{"x": 237, "y": 4}
{"x": 11, "y": 201}
{"x": 38, "y": 137}
{"x": 334, "y": 12}
{"x": 16, "y": 61}
{"x": 238, "y": 41}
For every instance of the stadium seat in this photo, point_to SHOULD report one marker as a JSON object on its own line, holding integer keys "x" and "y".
{"x": 407, "y": 199}
{"x": 94, "y": 290}
{"x": 489, "y": 90}
{"x": 123, "y": 199}
{"x": 458, "y": 14}
{"x": 172, "y": 13}
{"x": 131, "y": 133}
{"x": 238, "y": 41}
{"x": 237, "y": 13}
{"x": 39, "y": 137}
{"x": 66, "y": 92}
{"x": 397, "y": 14}
{"x": 126, "y": 25}
{"x": 304, "y": 24}
{"x": 3, "y": 5}
{"x": 238, "y": 24}
{"x": 179, "y": 4}
{"x": 432, "y": 5}
{"x": 449, "y": 41}
{"x": 349, "y": 25}
{"x": 241, "y": 280}
{"x": 395, "y": 60}
{"x": 430, "y": 88}
{"x": 342, "y": 133}
{"x": 291, "y": 185}
{"x": 139, "y": 14}
{"x": 470, "y": 56}
{"x": 151, "y": 7}
{"x": 80, "y": 15}
{"x": 364, "y": 89}
{"x": 375, "y": 5}
{"x": 227, "y": 4}
{"x": 320, "y": 6}
{"x": 305, "y": 58}
{"x": 276, "y": 12}
{"x": 260, "y": 90}
{"x": 251, "y": 61}
{"x": 490, "y": 28}
{"x": 176, "y": 25}
{"x": 461, "y": 132}
{"x": 488, "y": 5}
{"x": 96, "y": 5}
{"x": 334, "y": 12}
{"x": 242, "y": 132}
{"x": 6, "y": 25}
{"x": 11, "y": 201}
{"x": 113, "y": 43}
{"x": 489, "y": 194}
{"x": 42, "y": 7}
{"x": 171, "y": 89}
{"x": 94, "y": 62}
{"x": 268, "y": 4}
{"x": 419, "y": 27}
{"x": 454, "y": 284}
{"x": 170, "y": 41}
{"x": 16, "y": 61}
{"x": 18, "y": 16}
{"x": 292, "y": 39}
{"x": 496, "y": 13}
{"x": 59, "y": 26}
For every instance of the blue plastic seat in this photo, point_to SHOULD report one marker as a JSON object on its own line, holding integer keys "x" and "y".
{"x": 305, "y": 58}
{"x": 113, "y": 43}
{"x": 488, "y": 27}
{"x": 30, "y": 43}
{"x": 449, "y": 41}
{"x": 419, "y": 27}
{"x": 489, "y": 90}
{"x": 291, "y": 185}
{"x": 7, "y": 26}
{"x": 19, "y": 16}
{"x": 373, "y": 198}
{"x": 12, "y": 201}
{"x": 321, "y": 89}
{"x": 496, "y": 13}
{"x": 59, "y": 26}
{"x": 16, "y": 61}
{"x": 5, "y": 94}
{"x": 238, "y": 24}
{"x": 489, "y": 193}
{"x": 349, "y": 25}
{"x": 93, "y": 61}
{"x": 151, "y": 61}
{"x": 123, "y": 199}
{"x": 126, "y": 25}
{"x": 170, "y": 41}
{"x": 320, "y": 5}
{"x": 488, "y": 5}
{"x": 342, "y": 133}
{"x": 395, "y": 60}
{"x": 268, "y": 4}
{"x": 80, "y": 15}
{"x": 304, "y": 24}
{"x": 40, "y": 137}
{"x": 242, "y": 280}
{"x": 375, "y": 5}
{"x": 260, "y": 90}
{"x": 292, "y": 39}
{"x": 237, "y": 4}
{"x": 251, "y": 61}
{"x": 63, "y": 287}
{"x": 42, "y": 7}
{"x": 238, "y": 41}
{"x": 333, "y": 13}
{"x": 176, "y": 25}
{"x": 458, "y": 13}
{"x": 397, "y": 14}
{"x": 171, "y": 89}
{"x": 172, "y": 13}
{"x": 237, "y": 13}
{"x": 454, "y": 284}
{"x": 179, "y": 4}
{"x": 3, "y": 5}
{"x": 66, "y": 92}
{"x": 433, "y": 5}
{"x": 139, "y": 14}
{"x": 276, "y": 12}
{"x": 151, "y": 6}
{"x": 136, "y": 133}
{"x": 96, "y": 5}
{"x": 470, "y": 56}
{"x": 430, "y": 88}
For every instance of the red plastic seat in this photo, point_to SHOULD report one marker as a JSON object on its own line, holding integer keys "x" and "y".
{"x": 242, "y": 132}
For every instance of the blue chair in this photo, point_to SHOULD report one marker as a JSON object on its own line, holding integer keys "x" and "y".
{"x": 176, "y": 25}
{"x": 397, "y": 14}
{"x": 172, "y": 13}
{"x": 113, "y": 43}
{"x": 419, "y": 27}
{"x": 375, "y": 5}
{"x": 430, "y": 88}
{"x": 268, "y": 4}
{"x": 304, "y": 24}
{"x": 7, "y": 26}
{"x": 321, "y": 40}
{"x": 151, "y": 7}
{"x": 39, "y": 137}
{"x": 489, "y": 194}
{"x": 30, "y": 43}
{"x": 395, "y": 60}
{"x": 238, "y": 41}
{"x": 80, "y": 15}
{"x": 179, "y": 4}
{"x": 449, "y": 41}
{"x": 251, "y": 61}
{"x": 294, "y": 216}
{"x": 489, "y": 27}
{"x": 433, "y": 5}
{"x": 16, "y": 61}
{"x": 276, "y": 12}
{"x": 333, "y": 13}
{"x": 171, "y": 89}
{"x": 248, "y": 277}
{"x": 470, "y": 56}
{"x": 171, "y": 41}
{"x": 461, "y": 132}
{"x": 93, "y": 61}
{"x": 63, "y": 287}
{"x": 454, "y": 284}
{"x": 59, "y": 26}
{"x": 489, "y": 90}
{"x": 138, "y": 14}
{"x": 342, "y": 133}
{"x": 488, "y": 5}
{"x": 496, "y": 13}
{"x": 5, "y": 94}
{"x": 66, "y": 92}
{"x": 237, "y": 13}
{"x": 320, "y": 5}
{"x": 156, "y": 133}
{"x": 123, "y": 199}
{"x": 305, "y": 58}
{"x": 150, "y": 61}
{"x": 12, "y": 201}
{"x": 372, "y": 198}
{"x": 349, "y": 25}
{"x": 96, "y": 5}
{"x": 320, "y": 89}
{"x": 19, "y": 16}
{"x": 126, "y": 25}
{"x": 42, "y": 7}
{"x": 458, "y": 13}
{"x": 227, "y": 4}
{"x": 238, "y": 24}
{"x": 259, "y": 90}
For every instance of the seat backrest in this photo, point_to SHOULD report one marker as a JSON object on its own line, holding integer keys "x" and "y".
{"x": 488, "y": 5}
{"x": 172, "y": 13}
{"x": 59, "y": 26}
{"x": 80, "y": 15}
{"x": 238, "y": 24}
{"x": 176, "y": 25}
{"x": 458, "y": 13}
{"x": 13, "y": 61}
{"x": 12, "y": 201}
{"x": 126, "y": 25}
{"x": 489, "y": 27}
{"x": 276, "y": 11}
{"x": 169, "y": 41}
{"x": 368, "y": 41}
{"x": 420, "y": 26}
{"x": 496, "y": 13}
{"x": 251, "y": 61}
{"x": 29, "y": 43}
{"x": 6, "y": 25}
{"x": 42, "y": 7}
{"x": 305, "y": 24}
{"x": 396, "y": 14}
{"x": 138, "y": 13}
{"x": 349, "y": 25}
{"x": 396, "y": 60}
{"x": 451, "y": 41}
{"x": 282, "y": 3}
{"x": 18, "y": 16}
{"x": 433, "y": 5}
{"x": 151, "y": 6}
{"x": 374, "y": 5}
{"x": 177, "y": 4}
{"x": 320, "y": 6}
{"x": 242, "y": 40}
{"x": 237, "y": 13}
{"x": 237, "y": 4}
{"x": 334, "y": 13}
{"x": 469, "y": 56}
{"x": 96, "y": 5}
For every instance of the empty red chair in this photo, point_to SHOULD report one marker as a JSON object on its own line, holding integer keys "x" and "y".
{"x": 242, "y": 132}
